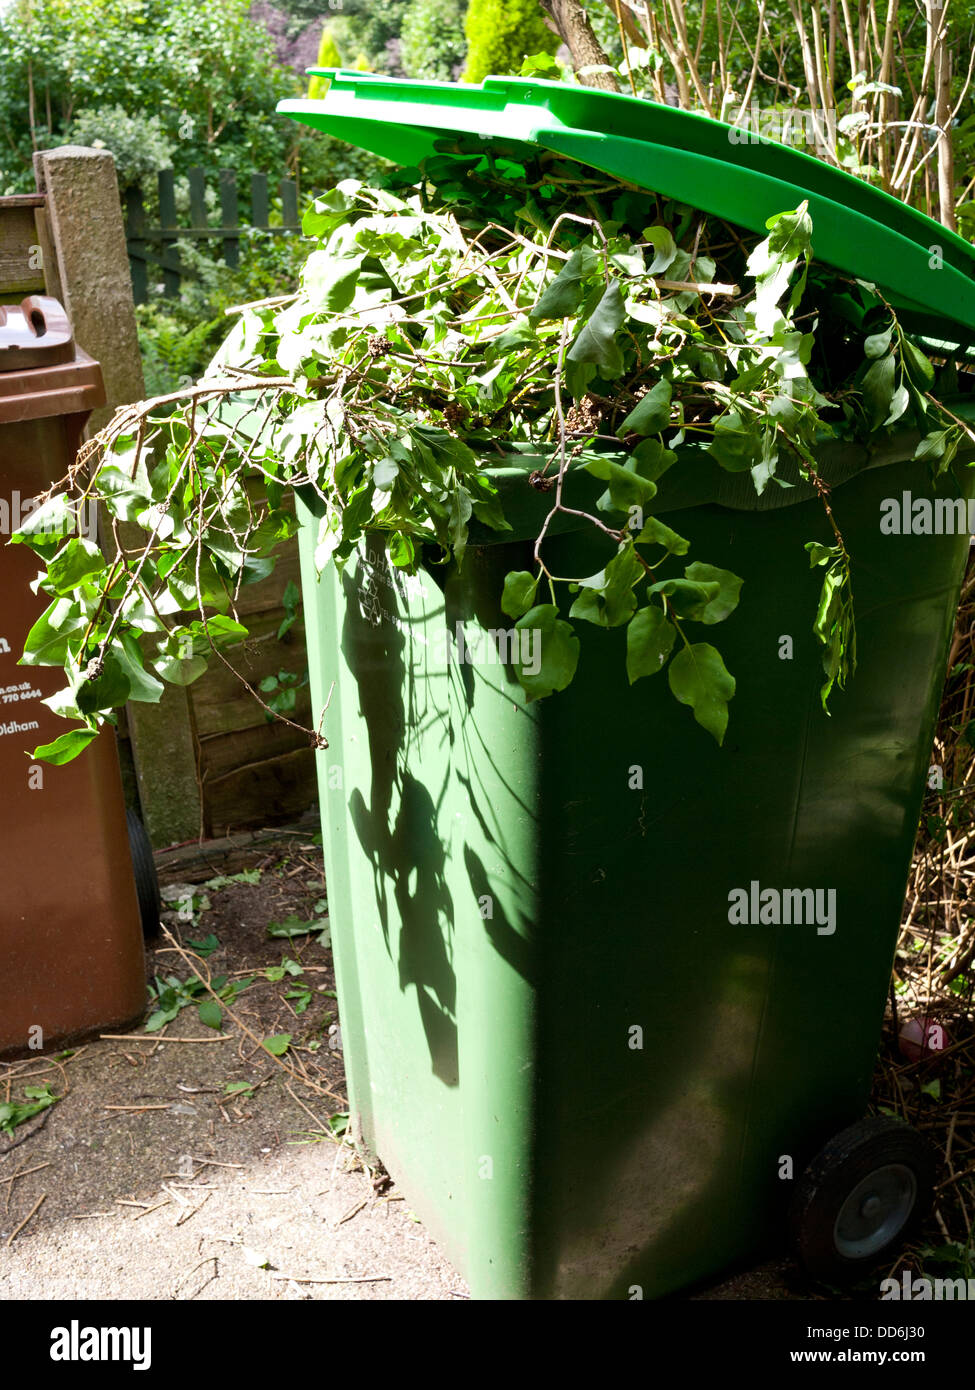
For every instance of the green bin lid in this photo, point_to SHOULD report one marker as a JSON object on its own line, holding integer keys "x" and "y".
{"x": 927, "y": 271}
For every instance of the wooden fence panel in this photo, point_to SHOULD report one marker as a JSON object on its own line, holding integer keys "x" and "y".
{"x": 152, "y": 249}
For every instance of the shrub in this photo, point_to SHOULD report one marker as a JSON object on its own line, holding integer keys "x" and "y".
{"x": 432, "y": 39}
{"x": 139, "y": 143}
{"x": 500, "y": 33}
{"x": 328, "y": 57}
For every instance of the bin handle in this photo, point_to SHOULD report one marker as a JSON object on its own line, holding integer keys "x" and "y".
{"x": 44, "y": 315}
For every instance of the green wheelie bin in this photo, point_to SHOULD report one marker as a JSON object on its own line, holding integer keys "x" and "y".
{"x": 610, "y": 1014}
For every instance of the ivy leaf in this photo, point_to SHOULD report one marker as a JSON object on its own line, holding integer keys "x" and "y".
{"x": 596, "y": 340}
{"x": 665, "y": 248}
{"x": 71, "y": 566}
{"x": 649, "y": 639}
{"x": 180, "y": 670}
{"x": 109, "y": 689}
{"x": 49, "y": 640}
{"x": 564, "y": 295}
{"x": 124, "y": 496}
{"x": 651, "y": 412}
{"x": 626, "y": 487}
{"x": 554, "y": 652}
{"x": 656, "y": 533}
{"x": 330, "y": 281}
{"x": 53, "y": 519}
{"x": 66, "y": 747}
{"x": 607, "y": 598}
{"x": 736, "y": 446}
{"x": 520, "y": 588}
{"x": 698, "y": 677}
{"x": 725, "y": 600}
{"x": 688, "y": 598}
{"x": 652, "y": 459}
{"x": 142, "y": 686}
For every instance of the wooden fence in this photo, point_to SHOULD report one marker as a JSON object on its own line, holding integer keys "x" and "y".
{"x": 155, "y": 246}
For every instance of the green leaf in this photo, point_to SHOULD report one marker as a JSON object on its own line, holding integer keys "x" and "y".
{"x": 48, "y": 641}
{"x": 330, "y": 281}
{"x": 687, "y": 598}
{"x": 520, "y": 588}
{"x": 210, "y": 1014}
{"x": 878, "y": 344}
{"x": 124, "y": 496}
{"x": 109, "y": 689}
{"x": 180, "y": 670}
{"x": 596, "y": 340}
{"x": 207, "y": 945}
{"x": 278, "y": 1044}
{"x": 932, "y": 446}
{"x": 878, "y": 390}
{"x": 555, "y": 648}
{"x": 626, "y": 487}
{"x": 564, "y": 295}
{"x": 790, "y": 233}
{"x": 651, "y": 412}
{"x": 729, "y": 590}
{"x": 652, "y": 460}
{"x": 142, "y": 686}
{"x": 66, "y": 747}
{"x": 607, "y": 598}
{"x": 292, "y": 926}
{"x": 900, "y": 400}
{"x": 52, "y": 520}
{"x": 736, "y": 445}
{"x": 919, "y": 369}
{"x": 649, "y": 639}
{"x": 698, "y": 678}
{"x": 656, "y": 533}
{"x": 13, "y": 1114}
{"x": 665, "y": 248}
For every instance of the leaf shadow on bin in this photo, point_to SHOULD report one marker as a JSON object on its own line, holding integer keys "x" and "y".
{"x": 409, "y": 854}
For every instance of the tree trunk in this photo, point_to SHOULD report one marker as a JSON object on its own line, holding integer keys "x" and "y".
{"x": 942, "y": 117}
{"x": 574, "y": 29}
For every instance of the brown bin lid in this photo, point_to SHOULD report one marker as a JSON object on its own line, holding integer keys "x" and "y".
{"x": 42, "y": 371}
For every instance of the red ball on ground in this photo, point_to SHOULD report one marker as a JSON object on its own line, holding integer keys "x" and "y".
{"x": 922, "y": 1037}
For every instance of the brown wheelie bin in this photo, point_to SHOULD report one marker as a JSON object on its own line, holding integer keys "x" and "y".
{"x": 71, "y": 953}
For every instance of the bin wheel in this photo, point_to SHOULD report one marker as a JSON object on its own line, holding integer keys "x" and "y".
{"x": 862, "y": 1195}
{"x": 146, "y": 882}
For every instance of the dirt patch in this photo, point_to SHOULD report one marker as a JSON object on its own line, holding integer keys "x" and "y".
{"x": 190, "y": 1163}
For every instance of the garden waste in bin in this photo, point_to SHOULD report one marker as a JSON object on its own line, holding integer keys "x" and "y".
{"x": 577, "y": 1034}
{"x": 71, "y": 955}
